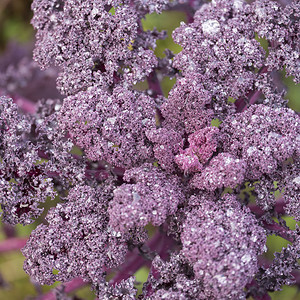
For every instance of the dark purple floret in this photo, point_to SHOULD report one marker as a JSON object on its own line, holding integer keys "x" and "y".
{"x": 24, "y": 183}
{"x": 77, "y": 241}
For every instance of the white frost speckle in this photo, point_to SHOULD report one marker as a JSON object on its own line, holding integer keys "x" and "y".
{"x": 238, "y": 4}
{"x": 211, "y": 27}
{"x": 296, "y": 180}
{"x": 250, "y": 150}
{"x": 246, "y": 258}
{"x": 221, "y": 279}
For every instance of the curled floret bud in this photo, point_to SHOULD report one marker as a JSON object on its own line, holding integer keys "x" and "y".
{"x": 202, "y": 145}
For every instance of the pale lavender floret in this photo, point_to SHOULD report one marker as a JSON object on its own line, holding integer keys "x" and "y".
{"x": 24, "y": 184}
{"x": 224, "y": 170}
{"x": 91, "y": 44}
{"x": 77, "y": 241}
{"x": 202, "y": 145}
{"x": 110, "y": 127}
{"x": 222, "y": 240}
{"x": 150, "y": 198}
{"x": 262, "y": 136}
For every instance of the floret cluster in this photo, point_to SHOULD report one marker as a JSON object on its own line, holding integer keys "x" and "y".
{"x": 180, "y": 164}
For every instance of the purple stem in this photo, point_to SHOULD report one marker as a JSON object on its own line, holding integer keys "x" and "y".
{"x": 187, "y": 8}
{"x": 253, "y": 284}
{"x": 12, "y": 244}
{"x": 9, "y": 230}
{"x": 70, "y": 286}
{"x": 134, "y": 261}
{"x": 253, "y": 99}
{"x": 252, "y": 96}
{"x": 154, "y": 84}
{"x": 279, "y": 208}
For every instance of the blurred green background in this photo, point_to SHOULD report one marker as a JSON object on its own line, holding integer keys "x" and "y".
{"x": 15, "y": 25}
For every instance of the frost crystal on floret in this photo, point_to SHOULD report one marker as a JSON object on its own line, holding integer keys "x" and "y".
{"x": 224, "y": 170}
{"x": 151, "y": 197}
{"x": 76, "y": 242}
{"x": 222, "y": 241}
{"x": 263, "y": 137}
{"x": 211, "y": 27}
{"x": 110, "y": 127}
{"x": 23, "y": 182}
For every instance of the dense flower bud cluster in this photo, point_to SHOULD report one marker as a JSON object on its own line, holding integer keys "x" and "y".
{"x": 259, "y": 132}
{"x": 149, "y": 199}
{"x": 108, "y": 126}
{"x": 77, "y": 241}
{"x": 106, "y": 35}
{"x": 220, "y": 239}
{"x": 23, "y": 181}
{"x": 223, "y": 170}
{"x": 148, "y": 180}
